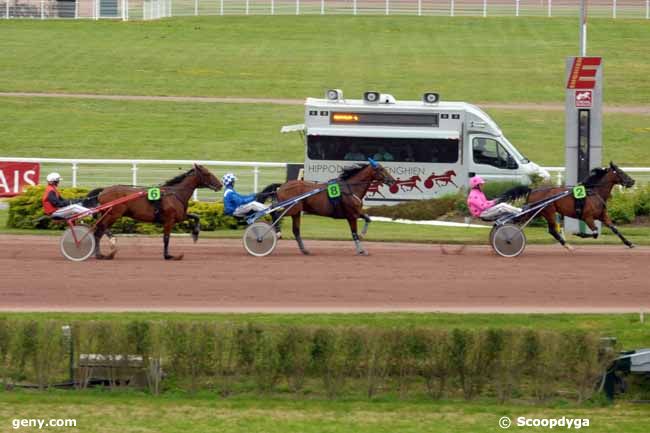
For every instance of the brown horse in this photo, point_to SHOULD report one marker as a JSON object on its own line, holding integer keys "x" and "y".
{"x": 599, "y": 189}
{"x": 353, "y": 181}
{"x": 169, "y": 210}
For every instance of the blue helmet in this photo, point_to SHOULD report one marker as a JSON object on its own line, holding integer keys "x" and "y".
{"x": 228, "y": 179}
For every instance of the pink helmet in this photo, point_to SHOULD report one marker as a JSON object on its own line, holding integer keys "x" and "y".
{"x": 476, "y": 181}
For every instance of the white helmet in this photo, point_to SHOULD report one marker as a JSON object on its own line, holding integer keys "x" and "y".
{"x": 228, "y": 179}
{"x": 53, "y": 177}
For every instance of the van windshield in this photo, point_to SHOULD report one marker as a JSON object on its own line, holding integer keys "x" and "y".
{"x": 429, "y": 150}
{"x": 515, "y": 151}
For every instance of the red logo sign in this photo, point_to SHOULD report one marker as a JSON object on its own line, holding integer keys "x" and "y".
{"x": 583, "y": 98}
{"x": 583, "y": 73}
{"x": 16, "y": 176}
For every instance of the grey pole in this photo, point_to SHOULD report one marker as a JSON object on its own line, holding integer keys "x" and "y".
{"x": 583, "y": 28}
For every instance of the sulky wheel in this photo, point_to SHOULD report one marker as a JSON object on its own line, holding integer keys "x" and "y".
{"x": 259, "y": 239}
{"x": 78, "y": 243}
{"x": 508, "y": 240}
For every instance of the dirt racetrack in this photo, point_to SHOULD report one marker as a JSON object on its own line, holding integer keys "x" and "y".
{"x": 217, "y": 275}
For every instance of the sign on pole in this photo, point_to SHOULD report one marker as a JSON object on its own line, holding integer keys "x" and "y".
{"x": 583, "y": 120}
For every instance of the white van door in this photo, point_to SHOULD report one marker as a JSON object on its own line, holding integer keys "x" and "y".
{"x": 491, "y": 160}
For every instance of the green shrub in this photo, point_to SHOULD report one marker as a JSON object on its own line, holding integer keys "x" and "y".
{"x": 621, "y": 207}
{"x": 642, "y": 201}
{"x": 26, "y": 210}
{"x": 334, "y": 361}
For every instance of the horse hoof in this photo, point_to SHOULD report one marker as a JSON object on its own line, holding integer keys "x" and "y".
{"x": 630, "y": 245}
{"x": 362, "y": 253}
{"x": 178, "y": 257}
{"x": 568, "y": 247}
{"x": 305, "y": 252}
{"x": 278, "y": 235}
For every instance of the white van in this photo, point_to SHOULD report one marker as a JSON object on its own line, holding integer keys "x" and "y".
{"x": 432, "y": 148}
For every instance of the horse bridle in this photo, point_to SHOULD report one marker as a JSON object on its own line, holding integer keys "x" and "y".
{"x": 202, "y": 181}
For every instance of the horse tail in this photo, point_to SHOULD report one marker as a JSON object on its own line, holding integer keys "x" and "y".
{"x": 515, "y": 193}
{"x": 268, "y": 192}
{"x": 92, "y": 198}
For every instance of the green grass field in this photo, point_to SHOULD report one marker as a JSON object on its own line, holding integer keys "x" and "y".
{"x": 100, "y": 412}
{"x": 473, "y": 59}
{"x": 80, "y": 128}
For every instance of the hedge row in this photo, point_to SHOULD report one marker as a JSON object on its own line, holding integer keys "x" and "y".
{"x": 26, "y": 209}
{"x": 328, "y": 361}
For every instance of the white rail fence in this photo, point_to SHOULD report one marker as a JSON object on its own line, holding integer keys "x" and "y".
{"x": 154, "y": 9}
{"x": 252, "y": 176}
{"x": 93, "y": 173}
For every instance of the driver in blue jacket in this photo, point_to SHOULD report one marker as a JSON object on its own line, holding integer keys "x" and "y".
{"x": 236, "y": 204}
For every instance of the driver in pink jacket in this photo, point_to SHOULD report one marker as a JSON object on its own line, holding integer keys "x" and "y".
{"x": 481, "y": 207}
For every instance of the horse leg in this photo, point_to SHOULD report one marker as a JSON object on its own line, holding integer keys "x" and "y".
{"x": 196, "y": 229}
{"x": 275, "y": 218}
{"x": 552, "y": 229}
{"x": 296, "y": 232}
{"x": 366, "y": 223}
{"x": 167, "y": 230}
{"x": 608, "y": 222}
{"x": 101, "y": 229}
{"x": 592, "y": 226}
{"x": 355, "y": 237}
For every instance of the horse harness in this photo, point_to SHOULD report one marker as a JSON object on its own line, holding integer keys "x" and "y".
{"x": 580, "y": 200}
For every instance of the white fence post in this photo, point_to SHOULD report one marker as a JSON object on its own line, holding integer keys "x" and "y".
{"x": 613, "y": 8}
{"x": 387, "y": 7}
{"x": 195, "y": 195}
{"x": 516, "y": 8}
{"x": 484, "y": 8}
{"x": 42, "y": 9}
{"x": 419, "y": 8}
{"x": 221, "y": 8}
{"x": 256, "y": 177}
{"x": 134, "y": 176}
{"x": 322, "y": 7}
{"x": 550, "y": 8}
{"x": 196, "y": 7}
{"x": 647, "y": 9}
{"x": 74, "y": 174}
{"x": 354, "y": 7}
{"x": 7, "y": 9}
{"x": 297, "y": 7}
{"x": 272, "y": 7}
{"x": 452, "y": 6}
{"x": 122, "y": 7}
{"x": 248, "y": 7}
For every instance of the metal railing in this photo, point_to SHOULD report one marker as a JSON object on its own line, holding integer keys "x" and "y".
{"x": 92, "y": 173}
{"x": 154, "y": 9}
